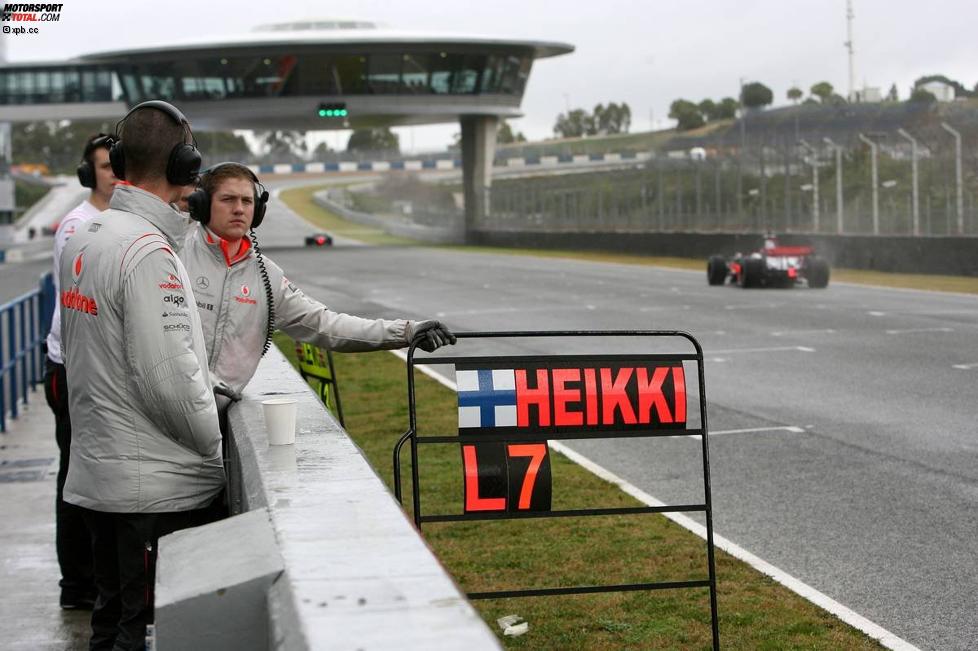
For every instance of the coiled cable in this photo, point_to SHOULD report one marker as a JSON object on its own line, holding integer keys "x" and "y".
{"x": 270, "y": 324}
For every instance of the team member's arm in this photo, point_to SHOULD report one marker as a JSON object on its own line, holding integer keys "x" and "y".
{"x": 159, "y": 346}
{"x": 308, "y": 320}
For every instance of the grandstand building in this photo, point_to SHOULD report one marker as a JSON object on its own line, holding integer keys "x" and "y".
{"x": 330, "y": 74}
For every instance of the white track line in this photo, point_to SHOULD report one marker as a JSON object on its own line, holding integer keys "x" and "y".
{"x": 915, "y": 330}
{"x": 965, "y": 367}
{"x": 854, "y": 619}
{"x": 783, "y": 428}
{"x": 772, "y": 349}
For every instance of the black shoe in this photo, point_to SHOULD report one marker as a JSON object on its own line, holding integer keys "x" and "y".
{"x": 77, "y": 600}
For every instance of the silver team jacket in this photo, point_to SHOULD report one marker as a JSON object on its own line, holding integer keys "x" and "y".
{"x": 145, "y": 434}
{"x": 233, "y": 310}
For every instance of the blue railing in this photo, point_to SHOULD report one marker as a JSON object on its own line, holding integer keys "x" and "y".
{"x": 24, "y": 325}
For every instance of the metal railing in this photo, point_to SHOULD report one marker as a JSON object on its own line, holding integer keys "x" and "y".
{"x": 24, "y": 324}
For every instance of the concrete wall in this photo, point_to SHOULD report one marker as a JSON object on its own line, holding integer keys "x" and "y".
{"x": 347, "y": 569}
{"x": 926, "y": 255}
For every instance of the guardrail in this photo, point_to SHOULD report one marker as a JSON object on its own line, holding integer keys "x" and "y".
{"x": 24, "y": 324}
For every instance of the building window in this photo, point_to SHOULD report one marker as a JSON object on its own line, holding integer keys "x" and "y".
{"x": 384, "y": 73}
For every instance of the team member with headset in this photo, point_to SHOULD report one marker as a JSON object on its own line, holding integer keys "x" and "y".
{"x": 146, "y": 448}
{"x": 71, "y": 536}
{"x": 242, "y": 296}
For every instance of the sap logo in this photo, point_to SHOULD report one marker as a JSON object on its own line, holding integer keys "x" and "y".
{"x": 175, "y": 299}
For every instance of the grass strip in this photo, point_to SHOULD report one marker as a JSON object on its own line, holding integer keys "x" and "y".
{"x": 755, "y": 611}
{"x": 300, "y": 200}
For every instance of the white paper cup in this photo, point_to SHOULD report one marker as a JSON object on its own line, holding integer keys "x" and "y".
{"x": 280, "y": 420}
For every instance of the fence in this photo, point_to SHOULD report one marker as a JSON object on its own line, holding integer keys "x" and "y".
{"x": 24, "y": 324}
{"x": 921, "y": 180}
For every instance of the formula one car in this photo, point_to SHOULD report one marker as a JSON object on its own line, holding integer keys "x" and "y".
{"x": 771, "y": 266}
{"x": 319, "y": 239}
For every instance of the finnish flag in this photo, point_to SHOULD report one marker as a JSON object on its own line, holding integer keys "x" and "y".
{"x": 486, "y": 398}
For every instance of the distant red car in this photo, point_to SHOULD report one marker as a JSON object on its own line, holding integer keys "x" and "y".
{"x": 770, "y": 266}
{"x": 319, "y": 239}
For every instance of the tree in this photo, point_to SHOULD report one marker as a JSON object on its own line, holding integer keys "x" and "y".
{"x": 708, "y": 109}
{"x": 283, "y": 145}
{"x": 219, "y": 146}
{"x": 893, "y": 95}
{"x": 373, "y": 140}
{"x": 727, "y": 109}
{"x": 822, "y": 90}
{"x": 321, "y": 151}
{"x": 575, "y": 124}
{"x": 614, "y": 118}
{"x": 795, "y": 94}
{"x": 756, "y": 95}
{"x": 959, "y": 89}
{"x": 505, "y": 135}
{"x": 686, "y": 114}
{"x": 922, "y": 95}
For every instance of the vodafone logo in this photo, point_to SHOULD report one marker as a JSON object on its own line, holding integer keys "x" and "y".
{"x": 245, "y": 296}
{"x": 171, "y": 282}
{"x": 76, "y": 267}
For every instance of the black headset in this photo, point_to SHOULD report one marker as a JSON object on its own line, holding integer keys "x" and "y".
{"x": 199, "y": 200}
{"x": 86, "y": 169}
{"x": 182, "y": 167}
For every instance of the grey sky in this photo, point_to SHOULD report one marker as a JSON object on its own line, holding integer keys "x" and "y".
{"x": 646, "y": 53}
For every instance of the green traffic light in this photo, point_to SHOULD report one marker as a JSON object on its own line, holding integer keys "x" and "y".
{"x": 322, "y": 113}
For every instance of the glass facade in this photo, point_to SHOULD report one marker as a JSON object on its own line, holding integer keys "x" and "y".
{"x": 271, "y": 75}
{"x": 58, "y": 85}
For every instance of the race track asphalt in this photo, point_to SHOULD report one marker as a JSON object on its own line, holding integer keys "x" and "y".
{"x": 857, "y": 473}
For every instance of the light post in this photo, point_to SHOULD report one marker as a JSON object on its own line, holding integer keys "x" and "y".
{"x": 913, "y": 168}
{"x": 814, "y": 164}
{"x": 874, "y": 177}
{"x": 838, "y": 185}
{"x": 957, "y": 175}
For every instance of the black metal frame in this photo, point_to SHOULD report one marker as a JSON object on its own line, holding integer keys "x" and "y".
{"x": 706, "y": 507}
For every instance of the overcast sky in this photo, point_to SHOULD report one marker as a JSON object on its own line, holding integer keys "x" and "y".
{"x": 644, "y": 52}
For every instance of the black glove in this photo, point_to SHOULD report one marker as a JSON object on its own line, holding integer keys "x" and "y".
{"x": 430, "y": 335}
{"x": 221, "y": 389}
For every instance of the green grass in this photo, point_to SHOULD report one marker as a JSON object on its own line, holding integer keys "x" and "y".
{"x": 300, "y": 200}
{"x": 755, "y": 612}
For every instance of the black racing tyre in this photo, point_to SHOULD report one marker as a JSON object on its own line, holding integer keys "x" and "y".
{"x": 716, "y": 270}
{"x": 817, "y": 272}
{"x": 752, "y": 273}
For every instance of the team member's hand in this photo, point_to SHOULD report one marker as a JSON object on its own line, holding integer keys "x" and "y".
{"x": 221, "y": 389}
{"x": 430, "y": 335}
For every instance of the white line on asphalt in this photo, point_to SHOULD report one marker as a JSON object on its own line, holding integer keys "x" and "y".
{"x": 915, "y": 330}
{"x": 876, "y": 313}
{"x": 773, "y": 349}
{"x": 965, "y": 367}
{"x": 794, "y": 429}
{"x": 797, "y": 586}
{"x": 821, "y": 600}
{"x": 781, "y": 333}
